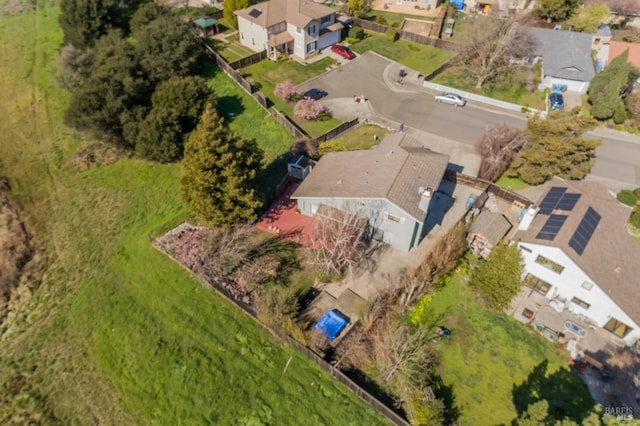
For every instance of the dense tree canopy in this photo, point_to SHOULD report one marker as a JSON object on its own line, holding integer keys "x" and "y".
{"x": 555, "y": 148}
{"x": 589, "y": 18}
{"x": 499, "y": 278}
{"x": 231, "y": 6}
{"x": 218, "y": 173}
{"x": 607, "y": 86}
{"x": 85, "y": 21}
{"x": 555, "y": 10}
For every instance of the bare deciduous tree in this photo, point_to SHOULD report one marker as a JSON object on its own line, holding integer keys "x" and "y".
{"x": 338, "y": 238}
{"x": 489, "y": 45}
{"x": 498, "y": 146}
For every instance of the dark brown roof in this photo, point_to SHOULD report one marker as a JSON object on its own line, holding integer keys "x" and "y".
{"x": 394, "y": 170}
{"x": 493, "y": 226}
{"x": 611, "y": 257}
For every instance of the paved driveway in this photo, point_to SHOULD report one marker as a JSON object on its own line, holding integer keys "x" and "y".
{"x": 376, "y": 78}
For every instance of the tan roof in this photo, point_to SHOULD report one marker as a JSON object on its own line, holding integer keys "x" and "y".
{"x": 280, "y": 38}
{"x": 395, "y": 170}
{"x": 493, "y": 226}
{"x": 616, "y": 48}
{"x": 296, "y": 12}
{"x": 335, "y": 27}
{"x": 612, "y": 256}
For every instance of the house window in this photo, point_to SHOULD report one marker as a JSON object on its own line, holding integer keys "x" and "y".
{"x": 241, "y": 36}
{"x": 617, "y": 327}
{"x": 311, "y": 47}
{"x": 587, "y": 285}
{"x": 325, "y": 20}
{"x": 597, "y": 41}
{"x": 581, "y": 303}
{"x": 549, "y": 264}
{"x": 253, "y": 41}
{"x": 311, "y": 29}
{"x": 393, "y": 218}
{"x": 537, "y": 284}
{"x": 298, "y": 30}
{"x": 527, "y": 249}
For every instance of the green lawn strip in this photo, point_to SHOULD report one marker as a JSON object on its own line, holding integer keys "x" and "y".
{"x": 512, "y": 184}
{"x": 251, "y": 122}
{"x": 394, "y": 17}
{"x": 267, "y": 74}
{"x": 496, "y": 364}
{"x": 361, "y": 137}
{"x": 424, "y": 59}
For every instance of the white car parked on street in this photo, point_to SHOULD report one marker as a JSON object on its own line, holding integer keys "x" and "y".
{"x": 451, "y": 98}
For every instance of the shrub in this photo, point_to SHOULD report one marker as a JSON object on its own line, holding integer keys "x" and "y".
{"x": 626, "y": 196}
{"x": 285, "y": 90}
{"x": 357, "y": 33}
{"x": 381, "y": 20}
{"x": 308, "y": 109}
{"x": 350, "y": 40}
{"x": 392, "y": 35}
{"x": 620, "y": 115}
{"x": 636, "y": 192}
{"x": 635, "y": 219}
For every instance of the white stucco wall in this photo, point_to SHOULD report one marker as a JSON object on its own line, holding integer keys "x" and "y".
{"x": 398, "y": 235}
{"x": 568, "y": 284}
{"x": 251, "y": 35}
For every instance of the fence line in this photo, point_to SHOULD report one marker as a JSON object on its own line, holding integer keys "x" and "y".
{"x": 287, "y": 123}
{"x": 248, "y": 60}
{"x": 337, "y": 130}
{"x": 404, "y": 35}
{"x": 487, "y": 186}
{"x": 224, "y": 65}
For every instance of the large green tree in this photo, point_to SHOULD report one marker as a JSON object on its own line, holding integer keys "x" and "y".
{"x": 231, "y": 6}
{"x": 85, "y": 21}
{"x": 167, "y": 45}
{"x": 177, "y": 105}
{"x": 555, "y": 10}
{"x": 218, "y": 173}
{"x": 589, "y": 18}
{"x": 607, "y": 86}
{"x": 555, "y": 147}
{"x": 499, "y": 278}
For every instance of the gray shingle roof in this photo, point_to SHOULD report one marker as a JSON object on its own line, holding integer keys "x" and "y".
{"x": 612, "y": 256}
{"x": 394, "y": 170}
{"x": 565, "y": 54}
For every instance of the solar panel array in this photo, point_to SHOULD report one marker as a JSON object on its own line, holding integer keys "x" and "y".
{"x": 558, "y": 198}
{"x": 584, "y": 231}
{"x": 255, "y": 13}
{"x": 551, "y": 227}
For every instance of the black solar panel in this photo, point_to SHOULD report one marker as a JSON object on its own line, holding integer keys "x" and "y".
{"x": 584, "y": 231}
{"x": 553, "y": 197}
{"x": 568, "y": 201}
{"x": 255, "y": 13}
{"x": 551, "y": 227}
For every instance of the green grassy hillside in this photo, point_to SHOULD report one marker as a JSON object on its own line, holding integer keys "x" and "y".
{"x": 117, "y": 333}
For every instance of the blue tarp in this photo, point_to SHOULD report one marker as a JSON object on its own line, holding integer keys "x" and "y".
{"x": 459, "y": 4}
{"x": 331, "y": 324}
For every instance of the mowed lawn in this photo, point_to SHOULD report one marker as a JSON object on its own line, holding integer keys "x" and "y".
{"x": 267, "y": 74}
{"x": 418, "y": 57}
{"x": 495, "y": 366}
{"x": 117, "y": 332}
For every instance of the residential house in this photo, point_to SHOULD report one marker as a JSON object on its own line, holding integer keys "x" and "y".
{"x": 566, "y": 59}
{"x": 486, "y": 231}
{"x": 393, "y": 186}
{"x": 578, "y": 254}
{"x": 294, "y": 27}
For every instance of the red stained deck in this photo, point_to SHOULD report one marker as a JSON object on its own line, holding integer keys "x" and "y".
{"x": 282, "y": 219}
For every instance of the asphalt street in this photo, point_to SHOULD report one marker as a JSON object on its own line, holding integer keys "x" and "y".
{"x": 617, "y": 160}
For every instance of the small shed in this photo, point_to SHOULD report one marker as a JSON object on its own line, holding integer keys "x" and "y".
{"x": 299, "y": 167}
{"x": 207, "y": 25}
{"x": 486, "y": 232}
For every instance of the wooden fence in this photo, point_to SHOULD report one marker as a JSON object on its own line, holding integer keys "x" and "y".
{"x": 486, "y": 186}
{"x": 288, "y": 124}
{"x": 224, "y": 65}
{"x": 404, "y": 35}
{"x": 342, "y": 378}
{"x": 337, "y": 130}
{"x": 248, "y": 60}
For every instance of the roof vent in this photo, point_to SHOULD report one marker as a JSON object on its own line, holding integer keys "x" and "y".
{"x": 421, "y": 190}
{"x": 339, "y": 181}
{"x": 389, "y": 153}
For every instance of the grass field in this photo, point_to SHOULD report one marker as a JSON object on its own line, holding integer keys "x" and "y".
{"x": 496, "y": 366}
{"x": 362, "y": 137}
{"x": 117, "y": 332}
{"x": 229, "y": 51}
{"x": 267, "y": 74}
{"x": 424, "y": 59}
{"x": 512, "y": 184}
{"x": 394, "y": 19}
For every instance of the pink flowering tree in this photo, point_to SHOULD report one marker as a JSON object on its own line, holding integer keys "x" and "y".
{"x": 285, "y": 90}
{"x": 308, "y": 109}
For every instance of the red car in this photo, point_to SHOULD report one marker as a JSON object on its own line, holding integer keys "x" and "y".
{"x": 343, "y": 51}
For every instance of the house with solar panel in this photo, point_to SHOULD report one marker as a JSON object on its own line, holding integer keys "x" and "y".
{"x": 293, "y": 27}
{"x": 578, "y": 254}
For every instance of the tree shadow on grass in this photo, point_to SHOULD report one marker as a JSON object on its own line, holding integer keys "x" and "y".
{"x": 230, "y": 107}
{"x": 447, "y": 396}
{"x": 268, "y": 179}
{"x": 567, "y": 395}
